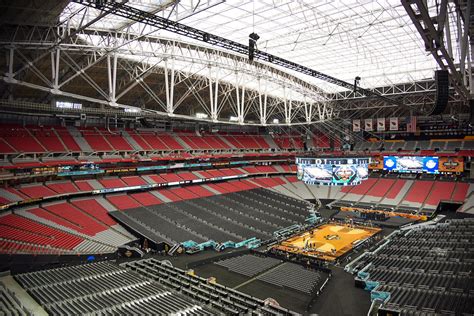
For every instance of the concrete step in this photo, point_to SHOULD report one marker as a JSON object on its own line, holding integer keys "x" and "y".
{"x": 81, "y": 141}
{"x": 131, "y": 141}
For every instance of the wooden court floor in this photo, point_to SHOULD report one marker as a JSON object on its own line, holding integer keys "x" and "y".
{"x": 328, "y": 241}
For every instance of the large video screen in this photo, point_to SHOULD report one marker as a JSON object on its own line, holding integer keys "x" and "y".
{"x": 414, "y": 164}
{"x": 332, "y": 171}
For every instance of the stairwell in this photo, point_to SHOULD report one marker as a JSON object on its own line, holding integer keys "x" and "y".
{"x": 270, "y": 141}
{"x": 383, "y": 197}
{"x": 404, "y": 191}
{"x": 310, "y": 143}
{"x": 10, "y": 195}
{"x": 225, "y": 141}
{"x": 131, "y": 141}
{"x": 426, "y": 197}
{"x": 60, "y": 139}
{"x": 105, "y": 138}
{"x": 81, "y": 142}
{"x": 365, "y": 197}
{"x": 181, "y": 142}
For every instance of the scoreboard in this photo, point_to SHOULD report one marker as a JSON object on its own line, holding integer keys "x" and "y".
{"x": 411, "y": 164}
{"x": 332, "y": 171}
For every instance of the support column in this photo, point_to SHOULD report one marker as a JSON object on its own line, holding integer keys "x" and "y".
{"x": 308, "y": 110}
{"x": 262, "y": 104}
{"x": 213, "y": 94}
{"x": 216, "y": 98}
{"x": 10, "y": 63}
{"x": 241, "y": 106}
{"x": 55, "y": 56}
{"x": 288, "y": 106}
{"x": 211, "y": 99}
{"x": 170, "y": 103}
{"x": 112, "y": 78}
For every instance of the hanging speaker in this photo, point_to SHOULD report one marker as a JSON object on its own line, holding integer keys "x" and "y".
{"x": 442, "y": 91}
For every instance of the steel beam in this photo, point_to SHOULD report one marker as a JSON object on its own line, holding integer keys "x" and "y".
{"x": 181, "y": 29}
{"x": 434, "y": 43}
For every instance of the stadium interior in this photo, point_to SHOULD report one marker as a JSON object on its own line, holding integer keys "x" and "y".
{"x": 237, "y": 157}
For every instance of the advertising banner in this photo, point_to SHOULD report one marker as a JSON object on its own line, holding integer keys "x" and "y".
{"x": 451, "y": 164}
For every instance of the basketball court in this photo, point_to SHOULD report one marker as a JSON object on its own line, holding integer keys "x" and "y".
{"x": 327, "y": 242}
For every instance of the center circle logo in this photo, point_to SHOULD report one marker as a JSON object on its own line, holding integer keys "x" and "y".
{"x": 390, "y": 163}
{"x": 431, "y": 164}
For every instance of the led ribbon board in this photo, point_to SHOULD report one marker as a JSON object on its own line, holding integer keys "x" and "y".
{"x": 411, "y": 164}
{"x": 332, "y": 171}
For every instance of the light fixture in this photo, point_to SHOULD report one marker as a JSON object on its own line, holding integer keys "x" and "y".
{"x": 201, "y": 115}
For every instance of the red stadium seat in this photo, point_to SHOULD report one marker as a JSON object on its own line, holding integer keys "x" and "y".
{"x": 93, "y": 208}
{"x": 22, "y": 229}
{"x": 146, "y": 198}
{"x": 123, "y": 201}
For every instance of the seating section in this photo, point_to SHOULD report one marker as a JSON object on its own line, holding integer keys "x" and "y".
{"x": 14, "y": 138}
{"x": 248, "y": 265}
{"x": 223, "y": 299}
{"x": 228, "y": 217}
{"x": 48, "y": 140}
{"x": 294, "y": 277}
{"x": 426, "y": 270}
{"x": 441, "y": 191}
{"x": 424, "y": 147}
{"x": 10, "y": 304}
{"x": 67, "y": 215}
{"x": 419, "y": 191}
{"x": 36, "y": 190}
{"x": 61, "y": 187}
{"x": 52, "y": 188}
{"x": 67, "y": 139}
{"x": 88, "y": 223}
{"x": 92, "y": 207}
{"x": 104, "y": 288}
{"x": 381, "y": 188}
{"x": 112, "y": 182}
{"x": 122, "y": 201}
{"x": 289, "y": 142}
{"x": 133, "y": 180}
{"x": 95, "y": 140}
{"x": 146, "y": 198}
{"x": 149, "y": 141}
{"x": 34, "y": 139}
{"x": 142, "y": 287}
{"x": 460, "y": 192}
{"x": 393, "y": 192}
{"x": 116, "y": 140}
{"x": 385, "y": 193}
{"x": 6, "y": 148}
{"x": 20, "y": 139}
{"x": 26, "y": 232}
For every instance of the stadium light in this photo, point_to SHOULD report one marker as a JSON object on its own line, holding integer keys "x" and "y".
{"x": 276, "y": 121}
{"x": 253, "y": 38}
{"x": 132, "y": 110}
{"x": 233, "y": 118}
{"x": 201, "y": 115}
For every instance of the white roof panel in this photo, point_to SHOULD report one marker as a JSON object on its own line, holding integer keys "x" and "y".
{"x": 375, "y": 40}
